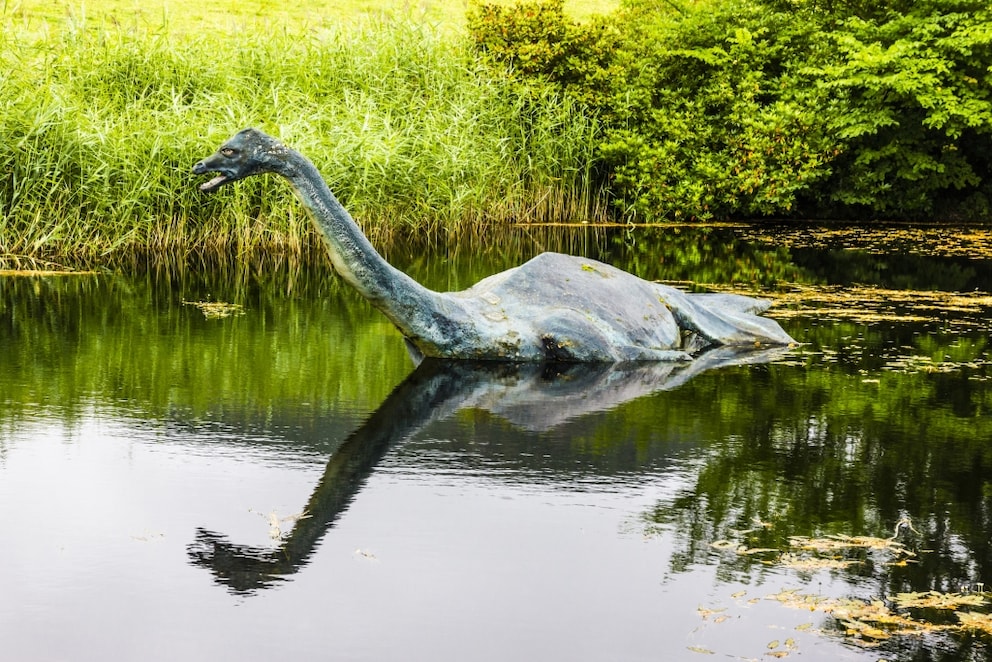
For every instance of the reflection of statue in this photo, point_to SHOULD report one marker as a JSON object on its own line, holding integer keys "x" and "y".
{"x": 553, "y": 308}
{"x": 530, "y": 396}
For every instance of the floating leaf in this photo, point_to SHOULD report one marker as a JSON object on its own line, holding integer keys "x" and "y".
{"x": 862, "y": 629}
{"x": 973, "y": 621}
{"x": 937, "y": 600}
{"x": 700, "y": 649}
{"x": 706, "y": 613}
{"x": 810, "y": 564}
{"x": 902, "y": 563}
{"x": 796, "y": 600}
{"x": 365, "y": 554}
{"x": 835, "y": 543}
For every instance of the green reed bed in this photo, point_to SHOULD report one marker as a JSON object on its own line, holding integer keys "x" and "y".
{"x": 99, "y": 130}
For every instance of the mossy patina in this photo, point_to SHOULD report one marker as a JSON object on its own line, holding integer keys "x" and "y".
{"x": 554, "y": 307}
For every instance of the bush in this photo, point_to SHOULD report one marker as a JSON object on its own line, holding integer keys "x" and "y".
{"x": 536, "y": 40}
{"x": 718, "y": 117}
{"x": 914, "y": 94}
{"x": 772, "y": 107}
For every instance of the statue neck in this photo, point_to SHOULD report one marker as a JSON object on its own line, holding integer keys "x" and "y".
{"x": 407, "y": 303}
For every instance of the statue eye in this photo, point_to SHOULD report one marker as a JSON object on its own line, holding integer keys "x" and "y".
{"x": 227, "y": 151}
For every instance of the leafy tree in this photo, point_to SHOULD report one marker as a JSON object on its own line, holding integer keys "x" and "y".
{"x": 772, "y": 107}
{"x": 536, "y": 40}
{"x": 718, "y": 116}
{"x": 915, "y": 91}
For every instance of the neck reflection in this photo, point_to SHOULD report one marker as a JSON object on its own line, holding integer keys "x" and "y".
{"x": 534, "y": 397}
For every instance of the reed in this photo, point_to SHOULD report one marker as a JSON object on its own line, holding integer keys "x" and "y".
{"x": 99, "y": 129}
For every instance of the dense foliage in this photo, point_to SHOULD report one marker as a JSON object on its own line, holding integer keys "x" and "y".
{"x": 99, "y": 130}
{"x": 772, "y": 107}
{"x": 721, "y": 109}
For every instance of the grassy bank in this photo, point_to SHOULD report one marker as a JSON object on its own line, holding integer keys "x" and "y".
{"x": 100, "y": 125}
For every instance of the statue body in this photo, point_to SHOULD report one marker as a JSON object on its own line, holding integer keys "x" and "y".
{"x": 552, "y": 308}
{"x": 566, "y": 308}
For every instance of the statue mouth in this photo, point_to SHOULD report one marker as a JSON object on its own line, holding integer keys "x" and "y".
{"x": 214, "y": 183}
{"x": 224, "y": 175}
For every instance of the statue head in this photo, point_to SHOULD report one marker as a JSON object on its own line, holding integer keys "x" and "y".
{"x": 249, "y": 152}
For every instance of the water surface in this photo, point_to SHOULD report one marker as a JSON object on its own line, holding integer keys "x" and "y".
{"x": 282, "y": 481}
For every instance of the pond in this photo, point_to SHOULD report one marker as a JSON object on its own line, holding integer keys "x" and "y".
{"x": 243, "y": 463}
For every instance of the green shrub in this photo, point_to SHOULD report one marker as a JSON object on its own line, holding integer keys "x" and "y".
{"x": 915, "y": 93}
{"x": 718, "y": 117}
{"x": 536, "y": 40}
{"x": 772, "y": 107}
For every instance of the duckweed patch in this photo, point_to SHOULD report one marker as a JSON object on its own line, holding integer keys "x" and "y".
{"x": 865, "y": 622}
{"x": 868, "y": 304}
{"x": 812, "y": 554}
{"x": 967, "y": 242}
{"x": 870, "y": 622}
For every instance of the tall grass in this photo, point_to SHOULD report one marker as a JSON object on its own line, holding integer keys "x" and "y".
{"x": 99, "y": 129}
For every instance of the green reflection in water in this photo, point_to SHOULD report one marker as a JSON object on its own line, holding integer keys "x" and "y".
{"x": 827, "y": 448}
{"x": 132, "y": 343}
{"x": 867, "y": 423}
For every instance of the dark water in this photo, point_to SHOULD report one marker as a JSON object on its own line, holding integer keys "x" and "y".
{"x": 154, "y": 462}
